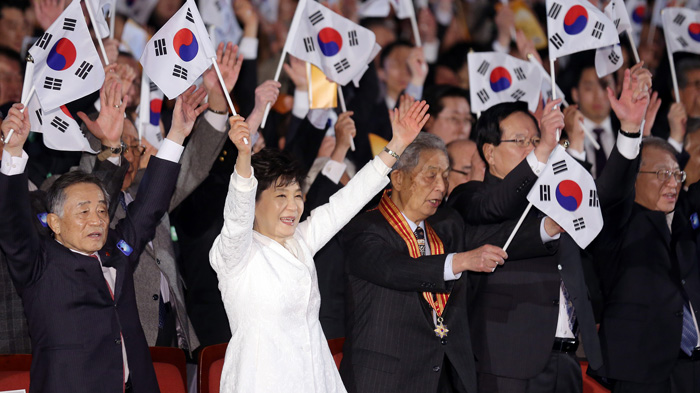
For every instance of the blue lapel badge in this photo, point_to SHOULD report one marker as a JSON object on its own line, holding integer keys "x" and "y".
{"x": 695, "y": 221}
{"x": 125, "y": 248}
{"x": 42, "y": 219}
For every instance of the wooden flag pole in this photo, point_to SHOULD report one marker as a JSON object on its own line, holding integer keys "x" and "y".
{"x": 91, "y": 14}
{"x": 144, "y": 105}
{"x": 672, "y": 64}
{"x": 27, "y": 89}
{"x": 634, "y": 47}
{"x": 277, "y": 78}
{"x": 226, "y": 93}
{"x": 414, "y": 24}
{"x": 554, "y": 87}
{"x": 341, "y": 99}
{"x": 113, "y": 16}
{"x": 517, "y": 226}
{"x": 24, "y": 102}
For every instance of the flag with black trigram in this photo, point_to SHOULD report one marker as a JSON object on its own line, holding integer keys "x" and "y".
{"x": 566, "y": 192}
{"x": 220, "y": 15}
{"x": 179, "y": 52}
{"x": 339, "y": 47}
{"x": 66, "y": 64}
{"x": 59, "y": 128}
{"x": 660, "y": 5}
{"x": 575, "y": 26}
{"x": 682, "y": 29}
{"x": 608, "y": 60}
{"x": 151, "y": 103}
{"x": 497, "y": 77}
{"x": 100, "y": 8}
{"x": 617, "y": 12}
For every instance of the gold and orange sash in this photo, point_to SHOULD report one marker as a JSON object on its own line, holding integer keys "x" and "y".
{"x": 391, "y": 212}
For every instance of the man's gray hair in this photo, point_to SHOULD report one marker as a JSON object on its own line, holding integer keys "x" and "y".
{"x": 56, "y": 195}
{"x": 424, "y": 141}
{"x": 684, "y": 67}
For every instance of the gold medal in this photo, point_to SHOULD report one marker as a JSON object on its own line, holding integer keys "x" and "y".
{"x": 440, "y": 329}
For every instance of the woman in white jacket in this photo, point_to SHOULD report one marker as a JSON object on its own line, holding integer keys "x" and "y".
{"x": 264, "y": 262}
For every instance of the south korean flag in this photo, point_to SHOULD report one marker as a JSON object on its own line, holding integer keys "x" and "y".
{"x": 637, "y": 11}
{"x": 219, "y": 15}
{"x": 682, "y": 29}
{"x": 59, "y": 128}
{"x": 566, "y": 192}
{"x": 179, "y": 52}
{"x": 609, "y": 59}
{"x": 66, "y": 64}
{"x": 149, "y": 112}
{"x": 340, "y": 48}
{"x": 496, "y": 77}
{"x": 575, "y": 26}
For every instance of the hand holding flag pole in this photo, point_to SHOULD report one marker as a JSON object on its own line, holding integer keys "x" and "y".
{"x": 91, "y": 14}
{"x": 226, "y": 94}
{"x": 28, "y": 89}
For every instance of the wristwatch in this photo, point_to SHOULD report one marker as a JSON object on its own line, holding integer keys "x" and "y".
{"x": 114, "y": 150}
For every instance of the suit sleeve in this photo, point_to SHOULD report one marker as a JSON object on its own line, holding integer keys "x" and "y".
{"x": 319, "y": 193}
{"x": 19, "y": 238}
{"x": 327, "y": 220}
{"x": 372, "y": 255}
{"x": 232, "y": 245}
{"x": 304, "y": 142}
{"x": 479, "y": 203}
{"x": 151, "y": 203}
{"x": 197, "y": 159}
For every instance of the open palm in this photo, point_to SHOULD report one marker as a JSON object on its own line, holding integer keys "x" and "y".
{"x": 408, "y": 120}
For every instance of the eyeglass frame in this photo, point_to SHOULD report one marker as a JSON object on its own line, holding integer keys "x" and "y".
{"x": 668, "y": 173}
{"x": 535, "y": 140}
{"x": 138, "y": 147}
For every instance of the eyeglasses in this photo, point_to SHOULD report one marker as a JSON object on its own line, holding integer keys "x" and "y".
{"x": 140, "y": 149}
{"x": 522, "y": 141}
{"x": 460, "y": 172}
{"x": 458, "y": 121}
{"x": 664, "y": 175}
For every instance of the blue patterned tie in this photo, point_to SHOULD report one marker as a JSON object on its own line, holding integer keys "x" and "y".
{"x": 420, "y": 238}
{"x": 570, "y": 312}
{"x": 122, "y": 201}
{"x": 689, "y": 336}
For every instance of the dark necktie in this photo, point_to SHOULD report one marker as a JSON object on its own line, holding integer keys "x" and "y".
{"x": 600, "y": 158}
{"x": 689, "y": 336}
{"x": 420, "y": 237}
{"x": 570, "y": 311}
{"x": 122, "y": 200}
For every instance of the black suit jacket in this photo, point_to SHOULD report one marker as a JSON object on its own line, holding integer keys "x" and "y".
{"x": 515, "y": 309}
{"x": 390, "y": 345}
{"x": 74, "y": 323}
{"x": 647, "y": 272}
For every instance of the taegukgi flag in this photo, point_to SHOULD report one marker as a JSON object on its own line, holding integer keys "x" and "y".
{"x": 637, "y": 11}
{"x": 59, "y": 128}
{"x": 66, "y": 64}
{"x": 609, "y": 59}
{"x": 682, "y": 29}
{"x": 566, "y": 192}
{"x": 98, "y": 7}
{"x": 150, "y": 106}
{"x": 219, "y": 13}
{"x": 340, "y": 48}
{"x": 497, "y": 77}
{"x": 575, "y": 26}
{"x": 660, "y": 5}
{"x": 179, "y": 52}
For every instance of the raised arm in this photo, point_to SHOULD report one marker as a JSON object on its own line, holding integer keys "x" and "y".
{"x": 232, "y": 245}
{"x": 325, "y": 221}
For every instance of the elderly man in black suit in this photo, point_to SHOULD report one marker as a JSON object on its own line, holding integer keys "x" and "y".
{"x": 78, "y": 288}
{"x": 527, "y": 315}
{"x": 650, "y": 278}
{"x": 407, "y": 326}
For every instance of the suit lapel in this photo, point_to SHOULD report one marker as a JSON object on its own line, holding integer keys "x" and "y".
{"x": 658, "y": 221}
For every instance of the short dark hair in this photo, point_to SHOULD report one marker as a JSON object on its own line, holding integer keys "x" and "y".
{"x": 11, "y": 54}
{"x": 437, "y": 93}
{"x": 488, "y": 127}
{"x": 654, "y": 142}
{"x": 684, "y": 66}
{"x": 390, "y": 48}
{"x": 273, "y": 167}
{"x": 22, "y": 5}
{"x": 56, "y": 195}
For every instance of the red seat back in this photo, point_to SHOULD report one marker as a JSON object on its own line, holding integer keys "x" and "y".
{"x": 171, "y": 369}
{"x": 14, "y": 372}
{"x": 211, "y": 364}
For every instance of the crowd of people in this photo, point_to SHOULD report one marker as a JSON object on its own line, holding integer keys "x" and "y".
{"x": 385, "y": 224}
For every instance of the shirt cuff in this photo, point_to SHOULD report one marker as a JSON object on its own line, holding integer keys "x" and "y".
{"x": 301, "y": 104}
{"x": 628, "y": 146}
{"x": 430, "y": 50}
{"x": 545, "y": 236}
{"x": 536, "y": 166}
{"x": 334, "y": 170}
{"x": 216, "y": 120}
{"x": 244, "y": 183}
{"x": 380, "y": 166}
{"x": 319, "y": 118}
{"x": 448, "y": 274}
{"x": 116, "y": 160}
{"x": 13, "y": 165}
{"x": 170, "y": 151}
{"x": 248, "y": 47}
{"x": 676, "y": 145}
{"x": 497, "y": 47}
{"x": 579, "y": 155}
{"x": 415, "y": 91}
